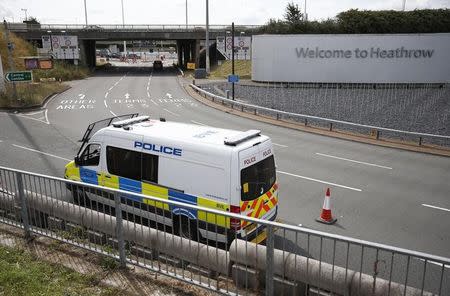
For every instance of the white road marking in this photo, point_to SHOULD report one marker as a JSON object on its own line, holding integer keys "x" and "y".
{"x": 172, "y": 112}
{"x": 148, "y": 94}
{"x": 112, "y": 113}
{"x": 284, "y": 146}
{"x": 104, "y": 102}
{"x": 196, "y": 122}
{"x": 355, "y": 161}
{"x": 40, "y": 118}
{"x": 435, "y": 207}
{"x": 110, "y": 88}
{"x": 147, "y": 87}
{"x": 46, "y": 116}
{"x": 169, "y": 95}
{"x": 320, "y": 181}
{"x": 106, "y": 95}
{"x": 127, "y": 96}
{"x": 82, "y": 96}
{"x": 34, "y": 113}
{"x": 154, "y": 102}
{"x": 37, "y": 151}
{"x": 23, "y": 116}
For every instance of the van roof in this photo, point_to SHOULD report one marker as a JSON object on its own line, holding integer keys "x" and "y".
{"x": 184, "y": 132}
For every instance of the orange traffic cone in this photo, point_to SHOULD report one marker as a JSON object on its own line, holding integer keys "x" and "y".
{"x": 326, "y": 216}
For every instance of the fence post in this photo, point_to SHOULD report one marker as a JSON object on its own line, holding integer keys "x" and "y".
{"x": 420, "y": 141}
{"x": 269, "y": 260}
{"x": 331, "y": 126}
{"x": 119, "y": 230}
{"x": 23, "y": 205}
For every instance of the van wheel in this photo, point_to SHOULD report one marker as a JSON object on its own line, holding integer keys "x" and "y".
{"x": 186, "y": 228}
{"x": 79, "y": 196}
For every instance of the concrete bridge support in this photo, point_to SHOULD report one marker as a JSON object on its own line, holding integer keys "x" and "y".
{"x": 87, "y": 53}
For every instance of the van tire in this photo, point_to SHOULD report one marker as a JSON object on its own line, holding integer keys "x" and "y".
{"x": 185, "y": 227}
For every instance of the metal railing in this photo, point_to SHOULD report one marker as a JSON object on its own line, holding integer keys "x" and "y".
{"x": 143, "y": 230}
{"x": 375, "y": 132}
{"x": 127, "y": 27}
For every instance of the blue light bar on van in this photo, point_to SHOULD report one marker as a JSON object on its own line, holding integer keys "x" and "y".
{"x": 126, "y": 122}
{"x": 242, "y": 137}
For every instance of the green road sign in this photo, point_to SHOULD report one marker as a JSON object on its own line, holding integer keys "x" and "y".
{"x": 21, "y": 76}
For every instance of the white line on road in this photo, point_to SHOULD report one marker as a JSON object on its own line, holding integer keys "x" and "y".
{"x": 46, "y": 116}
{"x": 355, "y": 161}
{"x": 196, "y": 122}
{"x": 435, "y": 207}
{"x": 320, "y": 181}
{"x": 112, "y": 113}
{"x": 106, "y": 95}
{"x": 172, "y": 112}
{"x": 23, "y": 116}
{"x": 34, "y": 113}
{"x": 148, "y": 94}
{"x": 147, "y": 87}
{"x": 104, "y": 102}
{"x": 1, "y": 141}
{"x": 156, "y": 104}
{"x": 37, "y": 151}
{"x": 284, "y": 146}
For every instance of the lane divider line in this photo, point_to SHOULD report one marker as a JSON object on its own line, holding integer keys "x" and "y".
{"x": 172, "y": 112}
{"x": 196, "y": 122}
{"x": 106, "y": 95}
{"x": 37, "y": 151}
{"x": 110, "y": 88}
{"x": 104, "y": 102}
{"x": 280, "y": 145}
{"x": 148, "y": 94}
{"x": 156, "y": 104}
{"x": 355, "y": 161}
{"x": 320, "y": 181}
{"x": 435, "y": 207}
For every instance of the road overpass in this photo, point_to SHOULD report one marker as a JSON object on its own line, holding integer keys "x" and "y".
{"x": 188, "y": 38}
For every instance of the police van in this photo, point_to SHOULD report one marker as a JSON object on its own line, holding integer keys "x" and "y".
{"x": 221, "y": 169}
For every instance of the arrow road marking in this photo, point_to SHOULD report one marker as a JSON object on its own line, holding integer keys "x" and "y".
{"x": 81, "y": 96}
{"x": 127, "y": 96}
{"x": 168, "y": 95}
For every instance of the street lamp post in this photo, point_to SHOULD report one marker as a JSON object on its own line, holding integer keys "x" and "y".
{"x": 25, "y": 10}
{"x": 404, "y": 5}
{"x": 186, "y": 15}
{"x": 232, "y": 58}
{"x": 207, "y": 38}
{"x": 85, "y": 13}
{"x": 123, "y": 24}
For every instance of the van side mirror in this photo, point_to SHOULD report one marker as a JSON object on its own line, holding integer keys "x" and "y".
{"x": 77, "y": 161}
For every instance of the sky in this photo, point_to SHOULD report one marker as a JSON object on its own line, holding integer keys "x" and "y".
{"x": 245, "y": 12}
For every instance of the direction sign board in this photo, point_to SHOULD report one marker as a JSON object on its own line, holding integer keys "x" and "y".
{"x": 233, "y": 78}
{"x": 20, "y": 76}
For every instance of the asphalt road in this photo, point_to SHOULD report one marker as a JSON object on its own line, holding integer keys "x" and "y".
{"x": 379, "y": 194}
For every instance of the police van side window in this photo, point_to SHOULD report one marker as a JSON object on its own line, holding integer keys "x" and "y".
{"x": 90, "y": 155}
{"x": 123, "y": 162}
{"x": 149, "y": 167}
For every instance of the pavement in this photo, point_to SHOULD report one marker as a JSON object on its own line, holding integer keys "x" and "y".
{"x": 380, "y": 194}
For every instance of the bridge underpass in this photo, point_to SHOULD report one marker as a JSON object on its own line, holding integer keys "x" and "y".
{"x": 189, "y": 39}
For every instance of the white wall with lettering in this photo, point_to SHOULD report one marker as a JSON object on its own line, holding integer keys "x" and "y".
{"x": 368, "y": 58}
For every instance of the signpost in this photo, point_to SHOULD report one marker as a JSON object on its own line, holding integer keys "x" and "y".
{"x": 19, "y": 76}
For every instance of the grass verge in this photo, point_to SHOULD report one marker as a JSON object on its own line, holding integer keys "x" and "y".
{"x": 28, "y": 94}
{"x": 241, "y": 68}
{"x": 22, "y": 274}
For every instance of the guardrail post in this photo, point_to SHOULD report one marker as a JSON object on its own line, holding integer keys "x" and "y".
{"x": 378, "y": 135}
{"x": 420, "y": 141}
{"x": 331, "y": 126}
{"x": 269, "y": 260}
{"x": 306, "y": 121}
{"x": 23, "y": 206}
{"x": 228, "y": 94}
{"x": 119, "y": 230}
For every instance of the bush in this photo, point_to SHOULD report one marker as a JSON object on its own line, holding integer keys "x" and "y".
{"x": 62, "y": 71}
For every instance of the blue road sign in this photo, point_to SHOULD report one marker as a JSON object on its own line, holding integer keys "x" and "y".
{"x": 233, "y": 78}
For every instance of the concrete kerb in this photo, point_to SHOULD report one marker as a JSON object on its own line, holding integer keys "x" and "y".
{"x": 335, "y": 133}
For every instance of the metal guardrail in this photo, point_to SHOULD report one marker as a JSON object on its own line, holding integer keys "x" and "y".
{"x": 128, "y": 27}
{"x": 294, "y": 260}
{"x": 330, "y": 122}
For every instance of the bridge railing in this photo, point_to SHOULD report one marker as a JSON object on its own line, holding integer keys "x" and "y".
{"x": 118, "y": 27}
{"x": 145, "y": 231}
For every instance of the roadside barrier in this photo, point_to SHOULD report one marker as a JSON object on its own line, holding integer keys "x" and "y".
{"x": 293, "y": 261}
{"x": 374, "y": 132}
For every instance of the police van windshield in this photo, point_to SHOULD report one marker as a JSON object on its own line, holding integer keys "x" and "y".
{"x": 257, "y": 179}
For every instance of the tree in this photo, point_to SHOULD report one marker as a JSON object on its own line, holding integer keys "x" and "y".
{"x": 293, "y": 14}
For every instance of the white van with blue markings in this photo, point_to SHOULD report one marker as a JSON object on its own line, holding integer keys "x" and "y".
{"x": 221, "y": 169}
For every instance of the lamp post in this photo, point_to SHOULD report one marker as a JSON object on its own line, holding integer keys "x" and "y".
{"x": 306, "y": 14}
{"x": 25, "y": 10}
{"x": 232, "y": 58}
{"x": 123, "y": 25}
{"x": 186, "y": 15}
{"x": 85, "y": 13}
{"x": 207, "y": 38}
{"x": 404, "y": 5}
